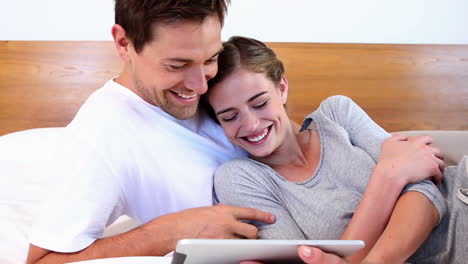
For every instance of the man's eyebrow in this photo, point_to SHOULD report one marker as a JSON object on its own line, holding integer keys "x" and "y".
{"x": 218, "y": 52}
{"x": 177, "y": 59}
{"x": 250, "y": 100}
{"x": 184, "y": 60}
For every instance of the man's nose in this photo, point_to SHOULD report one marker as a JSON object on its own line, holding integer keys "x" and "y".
{"x": 196, "y": 80}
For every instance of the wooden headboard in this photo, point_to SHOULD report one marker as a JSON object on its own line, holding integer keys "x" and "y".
{"x": 402, "y": 87}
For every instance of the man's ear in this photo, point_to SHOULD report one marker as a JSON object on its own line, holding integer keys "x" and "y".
{"x": 283, "y": 87}
{"x": 122, "y": 44}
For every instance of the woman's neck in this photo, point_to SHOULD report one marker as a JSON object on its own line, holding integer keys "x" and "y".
{"x": 297, "y": 157}
{"x": 292, "y": 150}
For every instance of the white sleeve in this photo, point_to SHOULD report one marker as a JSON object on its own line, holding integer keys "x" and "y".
{"x": 86, "y": 199}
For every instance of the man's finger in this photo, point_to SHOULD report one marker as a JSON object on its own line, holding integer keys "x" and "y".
{"x": 244, "y": 230}
{"x": 245, "y": 213}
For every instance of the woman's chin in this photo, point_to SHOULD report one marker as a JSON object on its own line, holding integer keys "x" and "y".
{"x": 259, "y": 153}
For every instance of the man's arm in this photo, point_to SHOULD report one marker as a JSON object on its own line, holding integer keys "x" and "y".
{"x": 411, "y": 222}
{"x": 159, "y": 237}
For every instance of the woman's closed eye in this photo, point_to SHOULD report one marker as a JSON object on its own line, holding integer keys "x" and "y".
{"x": 260, "y": 106}
{"x": 229, "y": 118}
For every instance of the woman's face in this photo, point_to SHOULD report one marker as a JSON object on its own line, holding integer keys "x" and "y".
{"x": 249, "y": 107}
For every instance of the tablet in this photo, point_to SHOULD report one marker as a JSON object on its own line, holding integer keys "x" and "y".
{"x": 227, "y": 251}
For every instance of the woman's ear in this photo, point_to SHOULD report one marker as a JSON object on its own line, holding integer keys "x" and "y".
{"x": 122, "y": 44}
{"x": 283, "y": 87}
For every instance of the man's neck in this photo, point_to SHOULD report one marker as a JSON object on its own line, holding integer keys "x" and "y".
{"x": 125, "y": 79}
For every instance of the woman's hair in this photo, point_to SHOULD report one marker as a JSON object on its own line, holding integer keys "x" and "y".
{"x": 138, "y": 17}
{"x": 250, "y": 54}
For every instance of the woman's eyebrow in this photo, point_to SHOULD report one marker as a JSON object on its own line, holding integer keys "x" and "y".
{"x": 248, "y": 101}
{"x": 256, "y": 96}
{"x": 225, "y": 110}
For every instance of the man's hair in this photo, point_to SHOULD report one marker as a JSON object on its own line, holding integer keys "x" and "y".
{"x": 138, "y": 17}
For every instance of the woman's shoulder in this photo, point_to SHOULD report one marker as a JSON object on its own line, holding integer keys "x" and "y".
{"x": 238, "y": 165}
{"x": 243, "y": 170}
{"x": 336, "y": 102}
{"x": 336, "y": 108}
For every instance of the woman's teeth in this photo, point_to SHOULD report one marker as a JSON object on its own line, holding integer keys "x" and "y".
{"x": 258, "y": 138}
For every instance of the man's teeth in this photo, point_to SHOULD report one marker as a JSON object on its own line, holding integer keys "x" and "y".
{"x": 187, "y": 96}
{"x": 260, "y": 137}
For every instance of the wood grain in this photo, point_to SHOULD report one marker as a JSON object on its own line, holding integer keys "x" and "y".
{"x": 42, "y": 84}
{"x": 402, "y": 87}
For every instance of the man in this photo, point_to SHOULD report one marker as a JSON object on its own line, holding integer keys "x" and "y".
{"x": 138, "y": 146}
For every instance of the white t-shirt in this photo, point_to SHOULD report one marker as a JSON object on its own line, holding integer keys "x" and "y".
{"x": 125, "y": 156}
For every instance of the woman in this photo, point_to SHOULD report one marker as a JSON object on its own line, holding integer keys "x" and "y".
{"x": 338, "y": 175}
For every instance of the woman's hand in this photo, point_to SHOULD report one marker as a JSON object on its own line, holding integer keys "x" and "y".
{"x": 411, "y": 159}
{"x": 313, "y": 255}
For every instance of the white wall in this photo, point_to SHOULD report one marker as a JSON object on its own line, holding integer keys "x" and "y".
{"x": 366, "y": 21}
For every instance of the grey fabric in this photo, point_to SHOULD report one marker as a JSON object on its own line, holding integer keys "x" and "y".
{"x": 322, "y": 206}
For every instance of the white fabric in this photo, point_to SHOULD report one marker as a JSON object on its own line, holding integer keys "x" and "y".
{"x": 125, "y": 156}
{"x": 121, "y": 225}
{"x": 128, "y": 260}
{"x": 24, "y": 182}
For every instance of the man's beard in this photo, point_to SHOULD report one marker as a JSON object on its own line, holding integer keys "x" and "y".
{"x": 162, "y": 101}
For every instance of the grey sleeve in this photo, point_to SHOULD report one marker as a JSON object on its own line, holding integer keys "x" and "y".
{"x": 428, "y": 189}
{"x": 243, "y": 183}
{"x": 362, "y": 131}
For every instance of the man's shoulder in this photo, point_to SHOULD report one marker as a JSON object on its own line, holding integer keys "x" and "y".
{"x": 114, "y": 106}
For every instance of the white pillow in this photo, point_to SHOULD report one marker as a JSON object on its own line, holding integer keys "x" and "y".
{"x": 25, "y": 161}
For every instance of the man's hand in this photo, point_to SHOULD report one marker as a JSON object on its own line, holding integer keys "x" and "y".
{"x": 220, "y": 221}
{"x": 159, "y": 236}
{"x": 213, "y": 222}
{"x": 311, "y": 255}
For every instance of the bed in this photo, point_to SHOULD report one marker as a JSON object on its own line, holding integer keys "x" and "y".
{"x": 415, "y": 88}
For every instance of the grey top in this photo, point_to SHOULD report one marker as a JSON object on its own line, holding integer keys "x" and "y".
{"x": 322, "y": 206}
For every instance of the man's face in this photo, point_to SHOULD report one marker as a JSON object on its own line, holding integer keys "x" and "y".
{"x": 172, "y": 71}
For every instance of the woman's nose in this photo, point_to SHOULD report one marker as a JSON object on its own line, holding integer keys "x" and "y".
{"x": 251, "y": 122}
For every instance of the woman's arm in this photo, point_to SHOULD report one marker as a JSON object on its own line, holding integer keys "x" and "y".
{"x": 403, "y": 160}
{"x": 401, "y": 237}
{"x": 373, "y": 212}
